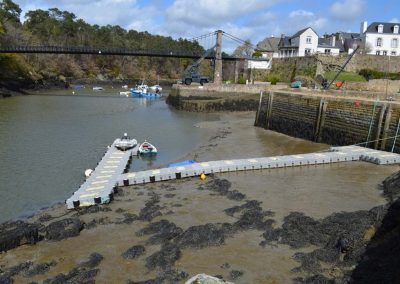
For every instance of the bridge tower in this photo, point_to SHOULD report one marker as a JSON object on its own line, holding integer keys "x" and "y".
{"x": 218, "y": 59}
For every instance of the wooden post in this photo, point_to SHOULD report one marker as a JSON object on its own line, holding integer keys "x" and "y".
{"x": 386, "y": 126}
{"x": 395, "y": 137}
{"x": 269, "y": 109}
{"x": 259, "y": 109}
{"x": 378, "y": 131}
{"x": 320, "y": 119}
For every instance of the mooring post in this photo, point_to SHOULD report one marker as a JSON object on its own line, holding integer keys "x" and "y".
{"x": 218, "y": 59}
{"x": 269, "y": 109}
{"x": 378, "y": 131}
{"x": 259, "y": 109}
{"x": 321, "y": 119}
{"x": 386, "y": 126}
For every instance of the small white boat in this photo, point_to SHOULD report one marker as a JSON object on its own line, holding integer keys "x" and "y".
{"x": 156, "y": 88}
{"x": 125, "y": 87}
{"x": 125, "y": 143}
{"x": 98, "y": 88}
{"x": 147, "y": 149}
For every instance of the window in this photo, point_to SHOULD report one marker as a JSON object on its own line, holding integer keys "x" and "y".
{"x": 396, "y": 29}
{"x": 308, "y": 39}
{"x": 378, "y": 52}
{"x": 395, "y": 43}
{"x": 393, "y": 53}
{"x": 327, "y": 51}
{"x": 380, "y": 29}
{"x": 379, "y": 41}
{"x": 307, "y": 51}
{"x": 384, "y": 52}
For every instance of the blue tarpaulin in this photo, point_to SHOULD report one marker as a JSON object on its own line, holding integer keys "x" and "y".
{"x": 183, "y": 163}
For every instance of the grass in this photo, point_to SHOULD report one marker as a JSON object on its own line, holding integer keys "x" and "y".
{"x": 345, "y": 76}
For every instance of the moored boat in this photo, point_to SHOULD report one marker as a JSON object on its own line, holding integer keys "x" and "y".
{"x": 98, "y": 88}
{"x": 125, "y": 143}
{"x": 142, "y": 91}
{"x": 147, "y": 149}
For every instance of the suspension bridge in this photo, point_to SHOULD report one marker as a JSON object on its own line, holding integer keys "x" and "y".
{"x": 205, "y": 39}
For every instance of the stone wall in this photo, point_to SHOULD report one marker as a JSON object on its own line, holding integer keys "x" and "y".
{"x": 335, "y": 121}
{"x": 381, "y": 85}
{"x": 318, "y": 64}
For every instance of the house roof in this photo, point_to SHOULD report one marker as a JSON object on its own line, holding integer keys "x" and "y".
{"x": 387, "y": 27}
{"x": 269, "y": 44}
{"x": 302, "y": 31}
{"x": 327, "y": 43}
{"x": 345, "y": 35}
{"x": 286, "y": 41}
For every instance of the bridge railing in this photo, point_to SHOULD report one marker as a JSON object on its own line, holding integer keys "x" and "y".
{"x": 49, "y": 49}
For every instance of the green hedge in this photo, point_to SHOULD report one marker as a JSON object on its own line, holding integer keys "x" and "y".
{"x": 370, "y": 74}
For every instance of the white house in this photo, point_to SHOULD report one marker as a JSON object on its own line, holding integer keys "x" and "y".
{"x": 381, "y": 38}
{"x": 306, "y": 42}
{"x": 269, "y": 47}
{"x": 302, "y": 43}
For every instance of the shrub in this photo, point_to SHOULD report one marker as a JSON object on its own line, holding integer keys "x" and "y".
{"x": 241, "y": 80}
{"x": 273, "y": 78}
{"x": 369, "y": 74}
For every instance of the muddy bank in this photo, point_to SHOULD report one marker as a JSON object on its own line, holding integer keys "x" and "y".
{"x": 250, "y": 227}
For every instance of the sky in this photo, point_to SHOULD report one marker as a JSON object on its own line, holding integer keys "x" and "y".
{"x": 246, "y": 19}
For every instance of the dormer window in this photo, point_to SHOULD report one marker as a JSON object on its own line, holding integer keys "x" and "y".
{"x": 379, "y": 42}
{"x": 380, "y": 28}
{"x": 396, "y": 29}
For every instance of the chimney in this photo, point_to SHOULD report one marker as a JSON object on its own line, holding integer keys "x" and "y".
{"x": 363, "y": 28}
{"x": 333, "y": 40}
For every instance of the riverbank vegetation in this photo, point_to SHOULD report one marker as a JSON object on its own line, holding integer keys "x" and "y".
{"x": 54, "y": 27}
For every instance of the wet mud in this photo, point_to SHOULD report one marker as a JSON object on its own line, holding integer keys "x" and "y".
{"x": 301, "y": 225}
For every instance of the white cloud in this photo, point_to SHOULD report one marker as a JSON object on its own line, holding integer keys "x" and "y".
{"x": 348, "y": 10}
{"x": 300, "y": 19}
{"x": 394, "y": 20}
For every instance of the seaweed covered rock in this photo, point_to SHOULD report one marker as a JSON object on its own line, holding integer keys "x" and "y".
{"x": 93, "y": 260}
{"x": 63, "y": 229}
{"x": 134, "y": 252}
{"x": 381, "y": 261}
{"x": 201, "y": 236}
{"x": 162, "y": 231}
{"x": 40, "y": 268}
{"x": 151, "y": 209}
{"x": 222, "y": 186}
{"x": 251, "y": 217}
{"x": 85, "y": 272}
{"x": 341, "y": 238}
{"x": 391, "y": 186}
{"x": 13, "y": 234}
{"x": 165, "y": 258}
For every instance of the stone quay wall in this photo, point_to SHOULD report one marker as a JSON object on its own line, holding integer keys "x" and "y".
{"x": 331, "y": 120}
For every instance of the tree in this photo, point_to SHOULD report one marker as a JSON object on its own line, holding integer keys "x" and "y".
{"x": 244, "y": 50}
{"x": 9, "y": 11}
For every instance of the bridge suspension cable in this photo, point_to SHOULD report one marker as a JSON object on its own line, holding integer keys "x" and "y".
{"x": 238, "y": 40}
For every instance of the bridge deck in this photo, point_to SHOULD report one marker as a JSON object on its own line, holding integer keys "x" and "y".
{"x": 91, "y": 192}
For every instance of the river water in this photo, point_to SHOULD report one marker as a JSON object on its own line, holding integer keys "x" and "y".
{"x": 47, "y": 141}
